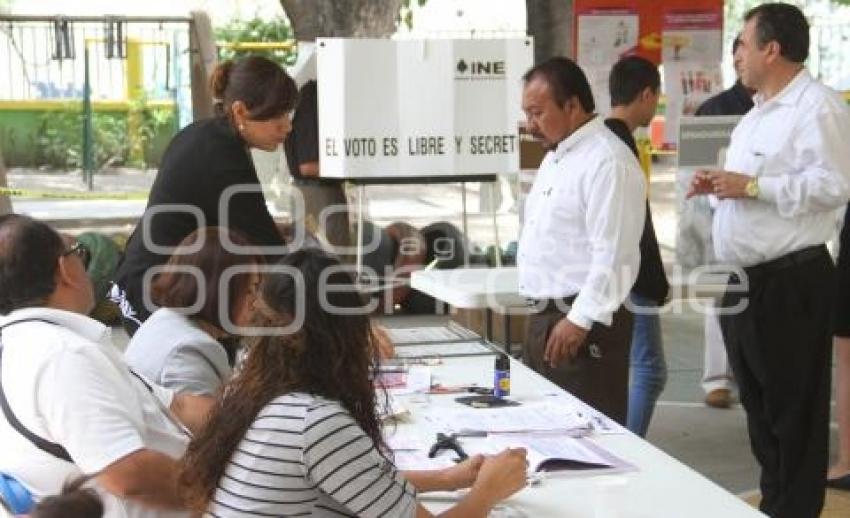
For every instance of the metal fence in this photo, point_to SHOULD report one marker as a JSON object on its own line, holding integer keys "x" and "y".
{"x": 42, "y": 58}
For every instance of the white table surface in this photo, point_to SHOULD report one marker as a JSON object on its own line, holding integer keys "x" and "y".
{"x": 471, "y": 288}
{"x": 498, "y": 288}
{"x": 662, "y": 487}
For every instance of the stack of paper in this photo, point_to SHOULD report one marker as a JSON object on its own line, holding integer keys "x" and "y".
{"x": 530, "y": 417}
{"x": 410, "y": 335}
{"x": 443, "y": 349}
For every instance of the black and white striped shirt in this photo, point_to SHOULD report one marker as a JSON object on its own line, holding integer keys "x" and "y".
{"x": 306, "y": 456}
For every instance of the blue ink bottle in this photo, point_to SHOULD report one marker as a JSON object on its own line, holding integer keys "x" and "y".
{"x": 502, "y": 376}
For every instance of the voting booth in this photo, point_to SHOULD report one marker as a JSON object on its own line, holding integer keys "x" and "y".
{"x": 420, "y": 110}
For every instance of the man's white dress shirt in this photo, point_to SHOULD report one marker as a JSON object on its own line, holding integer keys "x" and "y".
{"x": 583, "y": 222}
{"x": 796, "y": 143}
{"x": 69, "y": 384}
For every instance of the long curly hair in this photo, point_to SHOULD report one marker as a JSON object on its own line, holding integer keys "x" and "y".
{"x": 332, "y": 355}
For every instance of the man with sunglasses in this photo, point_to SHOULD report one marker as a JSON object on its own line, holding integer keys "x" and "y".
{"x": 70, "y": 405}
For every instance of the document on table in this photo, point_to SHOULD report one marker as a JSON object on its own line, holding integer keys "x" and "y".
{"x": 413, "y": 335}
{"x": 530, "y": 417}
{"x": 554, "y": 452}
{"x": 443, "y": 349}
{"x": 417, "y": 379}
{"x": 418, "y": 460}
{"x": 410, "y": 452}
{"x": 391, "y": 408}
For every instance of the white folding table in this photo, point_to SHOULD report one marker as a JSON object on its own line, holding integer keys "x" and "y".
{"x": 662, "y": 487}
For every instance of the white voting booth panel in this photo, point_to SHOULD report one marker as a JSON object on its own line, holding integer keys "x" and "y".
{"x": 660, "y": 487}
{"x": 420, "y": 108}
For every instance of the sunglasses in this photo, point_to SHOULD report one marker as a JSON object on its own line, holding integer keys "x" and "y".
{"x": 81, "y": 251}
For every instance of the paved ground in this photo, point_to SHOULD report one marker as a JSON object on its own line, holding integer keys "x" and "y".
{"x": 713, "y": 442}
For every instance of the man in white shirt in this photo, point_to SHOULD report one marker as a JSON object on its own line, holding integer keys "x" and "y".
{"x": 787, "y": 171}
{"x": 72, "y": 407}
{"x": 578, "y": 253}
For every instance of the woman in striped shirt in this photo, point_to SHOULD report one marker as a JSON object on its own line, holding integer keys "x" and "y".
{"x": 297, "y": 432}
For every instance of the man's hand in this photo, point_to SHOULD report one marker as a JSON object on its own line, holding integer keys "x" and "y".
{"x": 564, "y": 341}
{"x": 723, "y": 184}
{"x": 700, "y": 185}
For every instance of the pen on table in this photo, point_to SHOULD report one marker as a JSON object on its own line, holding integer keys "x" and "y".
{"x": 432, "y": 264}
{"x": 474, "y": 389}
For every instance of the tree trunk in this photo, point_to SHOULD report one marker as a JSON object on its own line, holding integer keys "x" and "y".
{"x": 342, "y": 18}
{"x": 550, "y": 22}
{"x": 5, "y": 201}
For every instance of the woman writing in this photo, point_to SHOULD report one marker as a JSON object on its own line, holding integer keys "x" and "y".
{"x": 207, "y": 177}
{"x": 296, "y": 433}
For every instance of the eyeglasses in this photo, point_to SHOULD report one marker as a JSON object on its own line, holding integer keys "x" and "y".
{"x": 81, "y": 251}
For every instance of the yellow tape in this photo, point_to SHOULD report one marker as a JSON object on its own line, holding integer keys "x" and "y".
{"x": 70, "y": 195}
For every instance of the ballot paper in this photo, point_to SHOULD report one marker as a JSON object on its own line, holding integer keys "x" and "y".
{"x": 443, "y": 349}
{"x": 530, "y": 417}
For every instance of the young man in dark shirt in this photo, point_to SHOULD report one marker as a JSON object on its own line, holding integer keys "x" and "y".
{"x": 324, "y": 198}
{"x": 635, "y": 87}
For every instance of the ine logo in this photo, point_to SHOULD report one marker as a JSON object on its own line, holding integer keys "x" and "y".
{"x": 468, "y": 70}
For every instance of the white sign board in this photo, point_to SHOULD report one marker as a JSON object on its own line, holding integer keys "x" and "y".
{"x": 420, "y": 108}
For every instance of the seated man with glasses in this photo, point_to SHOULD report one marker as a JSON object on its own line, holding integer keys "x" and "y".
{"x": 81, "y": 251}
{"x": 71, "y": 406}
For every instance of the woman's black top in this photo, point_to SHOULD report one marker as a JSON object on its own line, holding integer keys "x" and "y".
{"x": 203, "y": 160}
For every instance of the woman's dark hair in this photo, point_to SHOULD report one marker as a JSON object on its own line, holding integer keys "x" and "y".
{"x": 260, "y": 83}
{"x": 29, "y": 256}
{"x": 784, "y": 24}
{"x": 74, "y": 502}
{"x": 176, "y": 288}
{"x": 565, "y": 80}
{"x": 333, "y": 356}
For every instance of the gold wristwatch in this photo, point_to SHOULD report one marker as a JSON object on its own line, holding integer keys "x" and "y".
{"x": 752, "y": 188}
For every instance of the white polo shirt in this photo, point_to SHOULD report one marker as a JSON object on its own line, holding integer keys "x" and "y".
{"x": 583, "y": 221}
{"x": 69, "y": 384}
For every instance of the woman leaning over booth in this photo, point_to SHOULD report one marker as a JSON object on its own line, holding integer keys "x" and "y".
{"x": 207, "y": 176}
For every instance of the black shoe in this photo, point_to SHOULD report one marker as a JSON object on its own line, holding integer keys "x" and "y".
{"x": 842, "y": 482}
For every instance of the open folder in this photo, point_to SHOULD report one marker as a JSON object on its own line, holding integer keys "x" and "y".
{"x": 556, "y": 452}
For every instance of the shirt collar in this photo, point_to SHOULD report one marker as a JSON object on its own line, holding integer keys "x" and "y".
{"x": 84, "y": 326}
{"x": 792, "y": 91}
{"x": 577, "y": 136}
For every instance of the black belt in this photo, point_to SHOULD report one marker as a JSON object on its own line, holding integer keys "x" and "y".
{"x": 788, "y": 260}
{"x": 550, "y": 304}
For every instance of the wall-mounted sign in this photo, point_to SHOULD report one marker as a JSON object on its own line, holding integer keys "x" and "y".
{"x": 420, "y": 108}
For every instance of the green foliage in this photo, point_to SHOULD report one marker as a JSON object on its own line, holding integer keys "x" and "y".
{"x": 60, "y": 138}
{"x": 150, "y": 122}
{"x": 254, "y": 31}
{"x": 405, "y": 14}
